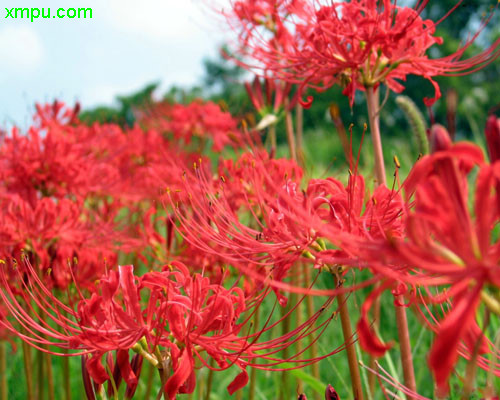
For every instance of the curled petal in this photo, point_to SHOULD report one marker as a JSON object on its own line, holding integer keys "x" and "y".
{"x": 444, "y": 351}
{"x": 126, "y": 370}
{"x": 367, "y": 337}
{"x": 182, "y": 373}
{"x": 240, "y": 381}
{"x": 307, "y": 102}
{"x": 96, "y": 370}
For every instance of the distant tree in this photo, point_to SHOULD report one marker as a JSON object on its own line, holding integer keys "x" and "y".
{"x": 123, "y": 114}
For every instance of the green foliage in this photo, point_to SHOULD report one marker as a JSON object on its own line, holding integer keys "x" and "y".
{"x": 123, "y": 114}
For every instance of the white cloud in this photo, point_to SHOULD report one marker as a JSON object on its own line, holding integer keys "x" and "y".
{"x": 158, "y": 19}
{"x": 20, "y": 48}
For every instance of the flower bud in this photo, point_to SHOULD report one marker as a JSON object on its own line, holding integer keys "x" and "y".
{"x": 331, "y": 394}
{"x": 136, "y": 366}
{"x": 87, "y": 382}
{"x": 492, "y": 133}
{"x": 439, "y": 138}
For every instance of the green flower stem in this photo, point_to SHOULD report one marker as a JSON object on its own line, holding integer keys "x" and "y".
{"x": 28, "y": 371}
{"x": 299, "y": 127}
{"x": 352, "y": 358}
{"x": 209, "y": 382}
{"x": 309, "y": 313}
{"x": 149, "y": 381}
{"x": 373, "y": 117}
{"x": 50, "y": 376}
{"x": 253, "y": 377}
{"x": 405, "y": 347}
{"x": 4, "y": 393}
{"x": 372, "y": 103}
{"x": 401, "y": 320}
{"x": 290, "y": 136}
{"x": 272, "y": 136}
{"x": 39, "y": 362}
{"x": 66, "y": 376}
{"x": 470, "y": 372}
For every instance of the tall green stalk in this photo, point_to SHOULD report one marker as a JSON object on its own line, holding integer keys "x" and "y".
{"x": 28, "y": 373}
{"x": 4, "y": 388}
{"x": 372, "y": 102}
{"x": 352, "y": 358}
{"x": 253, "y": 372}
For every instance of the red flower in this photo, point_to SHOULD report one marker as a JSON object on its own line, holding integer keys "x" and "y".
{"x": 56, "y": 235}
{"x": 449, "y": 248}
{"x": 182, "y": 314}
{"x": 271, "y": 108}
{"x": 52, "y": 161}
{"x": 356, "y": 44}
{"x": 197, "y": 119}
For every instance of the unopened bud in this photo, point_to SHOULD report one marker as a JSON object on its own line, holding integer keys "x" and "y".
{"x": 331, "y": 394}
{"x": 87, "y": 381}
{"x": 136, "y": 366}
{"x": 440, "y": 139}
{"x": 302, "y": 396}
{"x": 493, "y": 137}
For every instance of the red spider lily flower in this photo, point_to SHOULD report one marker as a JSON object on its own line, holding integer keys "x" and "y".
{"x": 111, "y": 319}
{"x": 51, "y": 161}
{"x": 197, "y": 119}
{"x": 269, "y": 109}
{"x": 289, "y": 223}
{"x": 146, "y": 161}
{"x": 240, "y": 186}
{"x": 186, "y": 315}
{"x": 170, "y": 318}
{"x": 210, "y": 221}
{"x": 56, "y": 114}
{"x": 450, "y": 248}
{"x": 60, "y": 157}
{"x": 56, "y": 235}
{"x": 357, "y": 44}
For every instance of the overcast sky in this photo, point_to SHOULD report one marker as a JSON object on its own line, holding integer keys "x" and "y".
{"x": 125, "y": 45}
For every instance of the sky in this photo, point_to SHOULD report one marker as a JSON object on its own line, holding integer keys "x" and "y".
{"x": 126, "y": 44}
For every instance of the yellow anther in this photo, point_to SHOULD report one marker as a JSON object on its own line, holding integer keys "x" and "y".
{"x": 396, "y": 161}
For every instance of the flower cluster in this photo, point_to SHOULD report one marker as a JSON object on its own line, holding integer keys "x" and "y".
{"x": 356, "y": 44}
{"x": 132, "y": 245}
